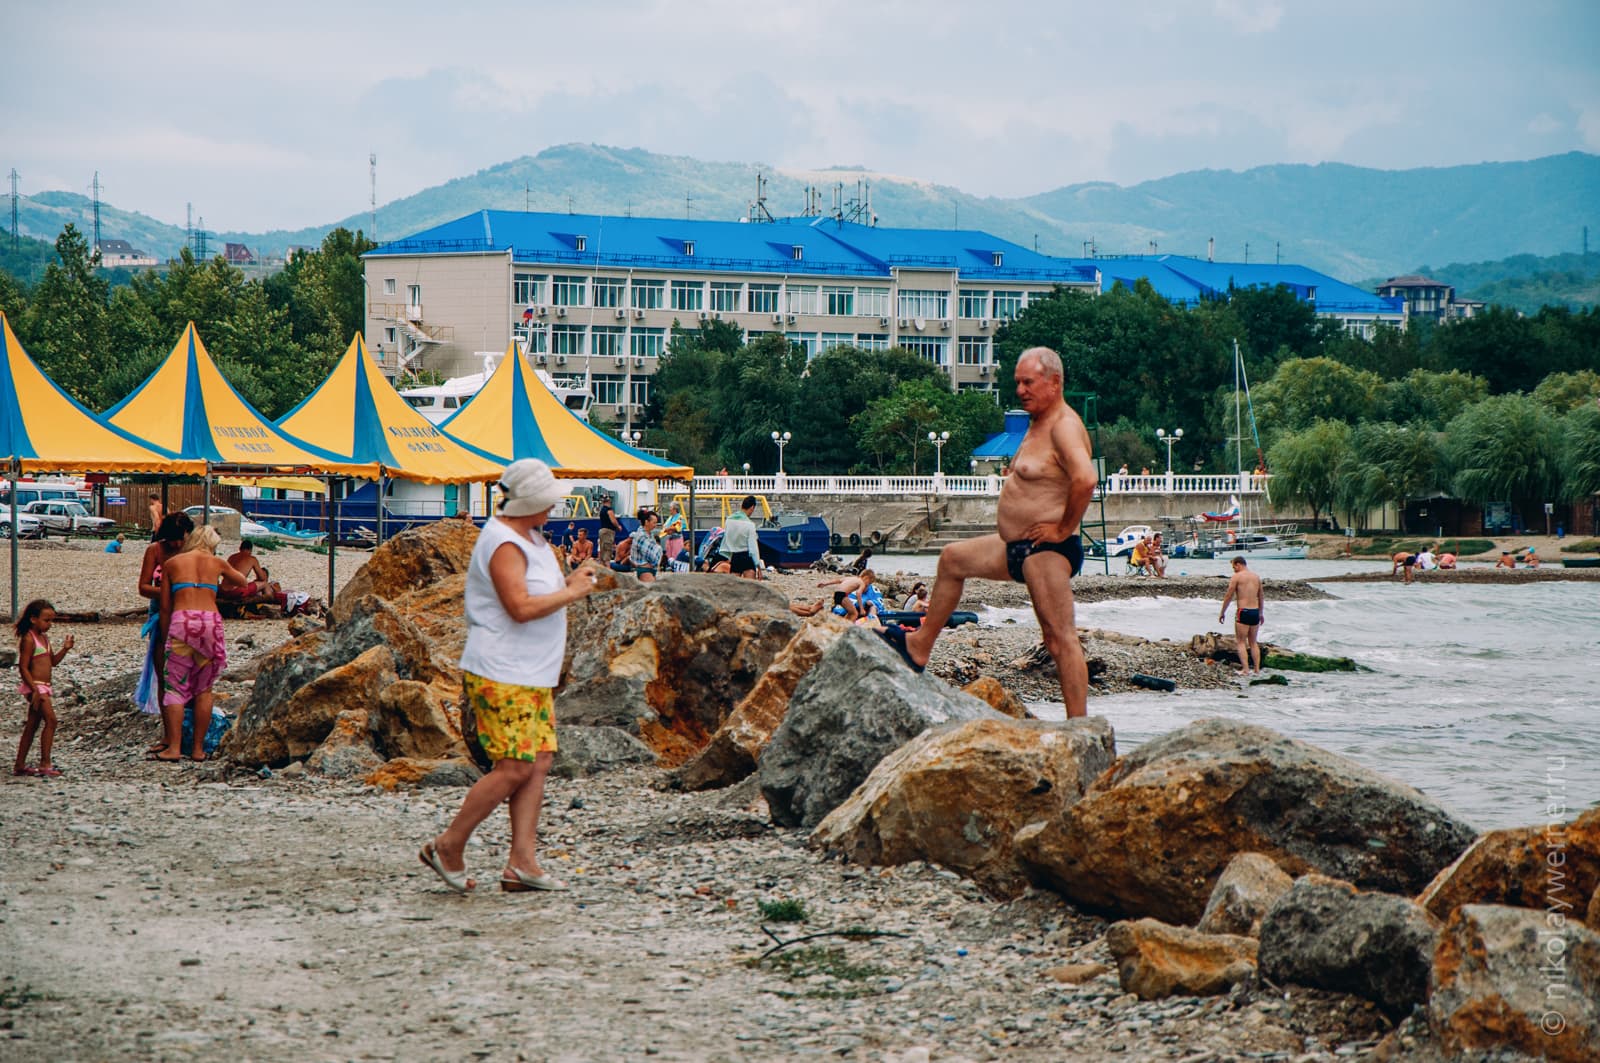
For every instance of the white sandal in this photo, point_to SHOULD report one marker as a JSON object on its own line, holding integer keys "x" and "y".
{"x": 459, "y": 881}
{"x": 513, "y": 880}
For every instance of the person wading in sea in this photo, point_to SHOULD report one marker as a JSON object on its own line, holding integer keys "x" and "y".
{"x": 1036, "y": 538}
{"x": 1245, "y": 587}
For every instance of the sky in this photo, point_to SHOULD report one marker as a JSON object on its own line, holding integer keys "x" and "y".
{"x": 264, "y": 115}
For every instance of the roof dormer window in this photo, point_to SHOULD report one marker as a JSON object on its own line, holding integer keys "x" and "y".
{"x": 581, "y": 242}
{"x": 688, "y": 248}
{"x": 799, "y": 252}
{"x": 999, "y": 259}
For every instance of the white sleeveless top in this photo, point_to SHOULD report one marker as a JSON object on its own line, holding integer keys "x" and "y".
{"x": 498, "y": 647}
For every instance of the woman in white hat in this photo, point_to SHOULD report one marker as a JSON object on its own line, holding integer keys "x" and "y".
{"x": 516, "y": 602}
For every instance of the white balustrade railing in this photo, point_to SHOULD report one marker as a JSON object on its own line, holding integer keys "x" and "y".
{"x": 1176, "y": 484}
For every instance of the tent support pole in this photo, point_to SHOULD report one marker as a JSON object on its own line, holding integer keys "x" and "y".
{"x": 382, "y": 482}
{"x": 689, "y": 522}
{"x": 16, "y": 584}
{"x": 333, "y": 547}
{"x": 164, "y": 509}
{"x": 205, "y": 502}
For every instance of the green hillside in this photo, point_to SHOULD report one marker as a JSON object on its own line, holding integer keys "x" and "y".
{"x": 1344, "y": 220}
{"x": 1522, "y": 282}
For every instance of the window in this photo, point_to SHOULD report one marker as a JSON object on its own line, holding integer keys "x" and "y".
{"x": 979, "y": 385}
{"x": 1007, "y": 305}
{"x": 935, "y": 349}
{"x": 763, "y": 298}
{"x": 607, "y": 388}
{"x": 839, "y": 302}
{"x": 923, "y": 302}
{"x": 535, "y": 338}
{"x": 569, "y": 291}
{"x": 414, "y": 294}
{"x": 639, "y": 391}
{"x": 972, "y": 350}
{"x": 389, "y": 334}
{"x": 649, "y": 342}
{"x": 527, "y": 288}
{"x": 688, "y": 248}
{"x": 649, "y": 295}
{"x": 802, "y": 298}
{"x": 581, "y": 243}
{"x": 837, "y": 339}
{"x": 727, "y": 296}
{"x": 608, "y": 291}
{"x": 751, "y": 335}
{"x": 388, "y": 286}
{"x": 566, "y": 339}
{"x": 688, "y": 295}
{"x": 975, "y": 304}
{"x": 605, "y": 341}
{"x": 806, "y": 341}
{"x": 872, "y": 341}
{"x": 872, "y": 302}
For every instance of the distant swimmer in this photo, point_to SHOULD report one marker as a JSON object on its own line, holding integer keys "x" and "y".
{"x": 1447, "y": 561}
{"x": 1506, "y": 560}
{"x": 1245, "y": 589}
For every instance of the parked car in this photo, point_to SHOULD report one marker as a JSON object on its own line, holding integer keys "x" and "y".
{"x": 67, "y": 517}
{"x": 28, "y": 526}
{"x": 248, "y": 529}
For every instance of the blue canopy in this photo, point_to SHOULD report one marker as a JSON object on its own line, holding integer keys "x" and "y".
{"x": 1004, "y": 445}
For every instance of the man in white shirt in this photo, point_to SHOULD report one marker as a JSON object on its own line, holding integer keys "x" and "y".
{"x": 739, "y": 541}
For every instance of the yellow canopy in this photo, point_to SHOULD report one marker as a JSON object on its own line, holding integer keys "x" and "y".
{"x": 188, "y": 407}
{"x": 516, "y": 416}
{"x": 358, "y": 414}
{"x": 42, "y": 429}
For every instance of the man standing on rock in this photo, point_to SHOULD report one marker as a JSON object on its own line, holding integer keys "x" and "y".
{"x": 1036, "y": 538}
{"x": 610, "y": 528}
{"x": 1245, "y": 587}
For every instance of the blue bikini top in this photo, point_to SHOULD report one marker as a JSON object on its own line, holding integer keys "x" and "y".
{"x": 212, "y": 587}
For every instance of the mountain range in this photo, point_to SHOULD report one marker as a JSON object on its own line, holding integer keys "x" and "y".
{"x": 1347, "y": 221}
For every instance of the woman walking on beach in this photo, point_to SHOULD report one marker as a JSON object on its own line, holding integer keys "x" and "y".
{"x": 516, "y": 609}
{"x": 169, "y": 536}
{"x": 196, "y": 648}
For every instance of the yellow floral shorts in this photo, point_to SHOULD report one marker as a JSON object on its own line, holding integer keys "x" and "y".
{"x": 514, "y": 722}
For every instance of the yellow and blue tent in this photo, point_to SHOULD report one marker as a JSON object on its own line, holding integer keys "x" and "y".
{"x": 516, "y": 416}
{"x": 357, "y": 413}
{"x": 186, "y": 406}
{"x": 42, "y": 429}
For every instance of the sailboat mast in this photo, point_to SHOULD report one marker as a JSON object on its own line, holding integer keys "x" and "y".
{"x": 1238, "y": 423}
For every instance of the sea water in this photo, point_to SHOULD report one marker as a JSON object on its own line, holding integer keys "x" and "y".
{"x": 1484, "y": 697}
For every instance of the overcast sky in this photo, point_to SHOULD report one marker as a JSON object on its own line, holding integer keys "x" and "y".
{"x": 265, "y": 119}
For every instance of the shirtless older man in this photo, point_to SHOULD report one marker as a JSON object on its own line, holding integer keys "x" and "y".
{"x": 1245, "y": 589}
{"x": 1036, "y": 541}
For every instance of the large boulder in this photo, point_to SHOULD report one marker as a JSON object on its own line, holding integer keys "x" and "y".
{"x": 411, "y": 560}
{"x": 419, "y": 720}
{"x": 1154, "y": 833}
{"x": 857, "y": 705}
{"x": 1248, "y": 887}
{"x": 957, "y": 794}
{"x": 1329, "y": 935}
{"x": 669, "y": 660}
{"x": 295, "y": 727}
{"x": 1156, "y": 960}
{"x": 348, "y": 752}
{"x": 583, "y": 751}
{"x": 734, "y": 749}
{"x": 994, "y": 694}
{"x": 1519, "y": 980}
{"x": 1554, "y": 866}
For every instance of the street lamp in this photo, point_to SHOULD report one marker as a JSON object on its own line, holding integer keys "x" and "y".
{"x": 747, "y": 470}
{"x": 1161, "y": 436}
{"x": 938, "y": 439}
{"x": 631, "y": 438}
{"x": 782, "y": 439}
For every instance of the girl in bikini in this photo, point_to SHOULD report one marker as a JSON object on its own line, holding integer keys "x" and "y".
{"x": 196, "y": 650}
{"x": 36, "y": 662}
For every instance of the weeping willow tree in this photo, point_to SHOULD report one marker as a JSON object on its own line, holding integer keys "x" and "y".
{"x": 1506, "y": 448}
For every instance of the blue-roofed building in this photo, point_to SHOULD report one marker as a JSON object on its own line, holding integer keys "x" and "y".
{"x": 597, "y": 296}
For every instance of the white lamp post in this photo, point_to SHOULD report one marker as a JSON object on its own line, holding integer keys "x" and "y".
{"x": 631, "y": 438}
{"x": 1161, "y": 436}
{"x": 782, "y": 439}
{"x": 938, "y": 439}
{"x": 747, "y": 470}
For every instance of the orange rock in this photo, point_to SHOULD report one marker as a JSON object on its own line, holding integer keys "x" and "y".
{"x": 957, "y": 795}
{"x": 410, "y": 771}
{"x": 990, "y": 691}
{"x": 1247, "y": 888}
{"x": 1525, "y": 867}
{"x": 412, "y": 559}
{"x": 1076, "y": 973}
{"x": 1156, "y": 960}
{"x": 302, "y": 723}
{"x": 412, "y": 722}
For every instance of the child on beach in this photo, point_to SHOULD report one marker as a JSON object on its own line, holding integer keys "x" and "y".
{"x": 35, "y": 662}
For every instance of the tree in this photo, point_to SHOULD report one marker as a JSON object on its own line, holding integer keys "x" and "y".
{"x": 838, "y": 385}
{"x": 1498, "y": 345}
{"x": 895, "y": 428}
{"x": 756, "y": 393}
{"x": 1563, "y": 392}
{"x": 1393, "y": 463}
{"x": 1306, "y": 390}
{"x": 65, "y": 322}
{"x": 1505, "y": 448}
{"x": 1310, "y": 466}
{"x": 1277, "y": 326}
{"x": 1433, "y": 398}
{"x": 1580, "y": 452}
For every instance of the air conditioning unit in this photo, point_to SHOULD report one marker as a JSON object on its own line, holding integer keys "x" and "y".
{"x": 561, "y": 359}
{"x": 716, "y": 315}
{"x": 543, "y": 358}
{"x": 777, "y": 319}
{"x": 561, "y": 311}
{"x": 791, "y": 319}
{"x": 621, "y": 314}
{"x": 944, "y": 324}
{"x": 883, "y": 322}
{"x": 541, "y": 311}
{"x": 704, "y": 316}
{"x": 638, "y": 315}
{"x": 983, "y": 322}
{"x": 904, "y": 323}
{"x": 638, "y": 361}
{"x": 619, "y": 360}
{"x": 983, "y": 370}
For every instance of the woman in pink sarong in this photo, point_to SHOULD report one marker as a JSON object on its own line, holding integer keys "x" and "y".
{"x": 197, "y": 650}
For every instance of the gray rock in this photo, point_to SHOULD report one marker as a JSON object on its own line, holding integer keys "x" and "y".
{"x": 857, "y": 705}
{"x": 1326, "y": 934}
{"x": 452, "y": 773}
{"x": 1247, "y": 888}
{"x": 352, "y": 761}
{"x": 583, "y": 751}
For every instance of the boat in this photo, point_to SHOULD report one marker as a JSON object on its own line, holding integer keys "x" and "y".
{"x": 439, "y": 402}
{"x": 1580, "y": 562}
{"x": 1124, "y": 542}
{"x": 786, "y": 538}
{"x": 290, "y": 532}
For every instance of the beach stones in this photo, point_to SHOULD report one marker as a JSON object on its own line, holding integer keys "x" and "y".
{"x": 296, "y": 726}
{"x": 957, "y": 794}
{"x": 858, "y": 704}
{"x": 1329, "y": 935}
{"x": 415, "y": 558}
{"x": 1155, "y": 960}
{"x": 1247, "y": 888}
{"x": 1154, "y": 833}
{"x": 1552, "y": 866}
{"x": 584, "y": 751}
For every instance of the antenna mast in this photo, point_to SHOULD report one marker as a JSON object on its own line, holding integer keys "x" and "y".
{"x": 14, "y": 179}
{"x": 372, "y": 201}
{"x": 97, "y": 211}
{"x": 758, "y": 209}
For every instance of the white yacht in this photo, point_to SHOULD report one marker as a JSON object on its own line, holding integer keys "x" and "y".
{"x": 438, "y": 402}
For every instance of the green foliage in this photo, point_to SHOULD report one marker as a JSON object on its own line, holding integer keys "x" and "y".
{"x": 838, "y": 385}
{"x": 1505, "y": 448}
{"x": 26, "y": 263}
{"x": 894, "y": 429}
{"x": 1311, "y": 466}
{"x": 784, "y": 911}
{"x": 1580, "y": 452}
{"x": 1582, "y": 546}
{"x": 64, "y": 327}
{"x": 1388, "y": 546}
{"x": 1564, "y": 392}
{"x": 1307, "y": 390}
{"x": 1432, "y": 398}
{"x": 1392, "y": 462}
{"x": 821, "y": 962}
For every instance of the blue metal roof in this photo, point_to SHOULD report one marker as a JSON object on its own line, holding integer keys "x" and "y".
{"x": 1003, "y": 445}
{"x": 1186, "y": 281}
{"x": 826, "y": 246}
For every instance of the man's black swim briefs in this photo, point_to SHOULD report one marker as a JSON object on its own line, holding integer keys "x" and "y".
{"x": 1070, "y": 548}
{"x": 1249, "y": 617}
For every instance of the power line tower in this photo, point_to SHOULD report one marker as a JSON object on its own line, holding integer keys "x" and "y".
{"x": 97, "y": 211}
{"x": 15, "y": 178}
{"x": 372, "y": 165}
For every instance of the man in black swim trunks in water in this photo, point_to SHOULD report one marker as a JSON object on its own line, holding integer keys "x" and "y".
{"x": 1036, "y": 540}
{"x": 1245, "y": 588}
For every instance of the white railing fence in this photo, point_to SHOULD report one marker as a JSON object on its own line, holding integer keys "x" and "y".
{"x": 1176, "y": 484}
